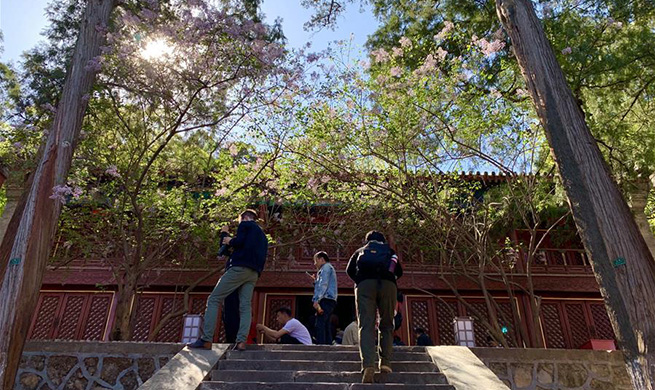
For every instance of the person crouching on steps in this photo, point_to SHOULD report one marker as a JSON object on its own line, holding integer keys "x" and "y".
{"x": 292, "y": 332}
{"x": 375, "y": 268}
{"x": 243, "y": 269}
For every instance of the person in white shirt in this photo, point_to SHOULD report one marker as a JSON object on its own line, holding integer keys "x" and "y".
{"x": 292, "y": 332}
{"x": 351, "y": 334}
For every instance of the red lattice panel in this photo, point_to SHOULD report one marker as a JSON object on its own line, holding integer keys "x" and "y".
{"x": 172, "y": 331}
{"x": 198, "y": 305}
{"x": 552, "y": 325}
{"x": 602, "y": 323}
{"x": 45, "y": 322}
{"x": 506, "y": 318}
{"x": 419, "y": 315}
{"x": 577, "y": 324}
{"x": 74, "y": 304}
{"x": 94, "y": 326}
{"x": 479, "y": 312}
{"x": 145, "y": 310}
{"x": 446, "y": 311}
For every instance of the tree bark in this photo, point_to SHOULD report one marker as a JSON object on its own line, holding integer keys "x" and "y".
{"x": 621, "y": 261}
{"x": 28, "y": 241}
{"x": 125, "y": 310}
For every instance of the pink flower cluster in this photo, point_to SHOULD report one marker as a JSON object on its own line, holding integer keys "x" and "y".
{"x": 488, "y": 47}
{"x": 380, "y": 55}
{"x": 112, "y": 170}
{"x": 61, "y": 192}
{"x": 447, "y": 27}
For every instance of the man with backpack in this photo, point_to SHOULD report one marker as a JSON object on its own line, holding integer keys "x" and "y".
{"x": 375, "y": 268}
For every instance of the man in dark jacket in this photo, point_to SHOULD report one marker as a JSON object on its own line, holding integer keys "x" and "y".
{"x": 422, "y": 339}
{"x": 243, "y": 269}
{"x": 374, "y": 268}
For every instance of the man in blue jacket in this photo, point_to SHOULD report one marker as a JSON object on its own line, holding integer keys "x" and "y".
{"x": 325, "y": 297}
{"x": 243, "y": 269}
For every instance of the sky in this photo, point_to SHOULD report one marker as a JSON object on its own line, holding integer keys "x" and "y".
{"x": 22, "y": 21}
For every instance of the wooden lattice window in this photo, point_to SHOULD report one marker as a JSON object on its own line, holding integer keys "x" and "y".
{"x": 551, "y": 322}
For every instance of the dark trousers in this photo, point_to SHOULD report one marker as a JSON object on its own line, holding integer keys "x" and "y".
{"x": 286, "y": 339}
{"x": 371, "y": 296}
{"x": 323, "y": 326}
{"x": 231, "y": 317}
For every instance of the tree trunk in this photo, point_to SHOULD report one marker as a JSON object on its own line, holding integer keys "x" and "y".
{"x": 28, "y": 241}
{"x": 621, "y": 261}
{"x": 125, "y": 307}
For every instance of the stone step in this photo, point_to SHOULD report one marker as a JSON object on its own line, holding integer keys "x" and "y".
{"x": 338, "y": 347}
{"x": 321, "y": 355}
{"x": 326, "y": 377}
{"x": 310, "y": 365}
{"x": 317, "y": 386}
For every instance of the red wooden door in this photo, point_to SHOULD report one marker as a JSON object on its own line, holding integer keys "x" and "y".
{"x": 572, "y": 323}
{"x": 272, "y": 303}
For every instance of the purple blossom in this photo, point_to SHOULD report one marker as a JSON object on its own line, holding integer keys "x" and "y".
{"x": 567, "y": 51}
{"x": 380, "y": 55}
{"x": 94, "y": 64}
{"x": 405, "y": 43}
{"x": 112, "y": 170}
{"x": 447, "y": 27}
{"x": 18, "y": 146}
{"x": 234, "y": 150}
{"x": 395, "y": 71}
{"x": 441, "y": 54}
{"x": 312, "y": 57}
{"x": 397, "y": 52}
{"x": 60, "y": 193}
{"x": 488, "y": 48}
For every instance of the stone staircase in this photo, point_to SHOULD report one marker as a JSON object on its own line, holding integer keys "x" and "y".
{"x": 296, "y": 367}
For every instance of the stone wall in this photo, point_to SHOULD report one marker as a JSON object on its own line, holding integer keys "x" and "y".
{"x": 557, "y": 369}
{"x": 81, "y": 365}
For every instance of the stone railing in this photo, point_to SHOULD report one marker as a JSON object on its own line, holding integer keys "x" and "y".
{"x": 91, "y": 365}
{"x": 541, "y": 369}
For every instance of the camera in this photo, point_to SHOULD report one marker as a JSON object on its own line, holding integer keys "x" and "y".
{"x": 225, "y": 249}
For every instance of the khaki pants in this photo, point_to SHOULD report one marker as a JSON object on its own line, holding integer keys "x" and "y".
{"x": 235, "y": 278}
{"x": 374, "y": 295}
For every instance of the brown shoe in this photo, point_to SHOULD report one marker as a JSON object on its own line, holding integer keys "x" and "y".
{"x": 200, "y": 344}
{"x": 241, "y": 346}
{"x": 369, "y": 375}
{"x": 384, "y": 369}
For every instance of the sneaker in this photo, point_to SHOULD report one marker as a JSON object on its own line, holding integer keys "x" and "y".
{"x": 200, "y": 344}
{"x": 384, "y": 369}
{"x": 369, "y": 375}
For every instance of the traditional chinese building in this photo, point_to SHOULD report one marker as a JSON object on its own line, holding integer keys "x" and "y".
{"x": 72, "y": 306}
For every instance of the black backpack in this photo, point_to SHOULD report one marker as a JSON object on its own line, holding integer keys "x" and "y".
{"x": 374, "y": 259}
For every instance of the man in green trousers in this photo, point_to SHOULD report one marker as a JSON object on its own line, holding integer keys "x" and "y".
{"x": 375, "y": 268}
{"x": 243, "y": 269}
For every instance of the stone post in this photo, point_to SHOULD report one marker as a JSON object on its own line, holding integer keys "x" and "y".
{"x": 639, "y": 199}
{"x": 13, "y": 194}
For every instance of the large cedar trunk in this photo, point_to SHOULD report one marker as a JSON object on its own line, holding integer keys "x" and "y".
{"x": 621, "y": 261}
{"x": 28, "y": 240}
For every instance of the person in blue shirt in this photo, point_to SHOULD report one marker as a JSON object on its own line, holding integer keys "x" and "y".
{"x": 325, "y": 297}
{"x": 244, "y": 267}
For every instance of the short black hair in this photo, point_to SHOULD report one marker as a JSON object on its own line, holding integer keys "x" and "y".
{"x": 249, "y": 213}
{"x": 419, "y": 330}
{"x": 375, "y": 236}
{"x": 284, "y": 310}
{"x": 323, "y": 255}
